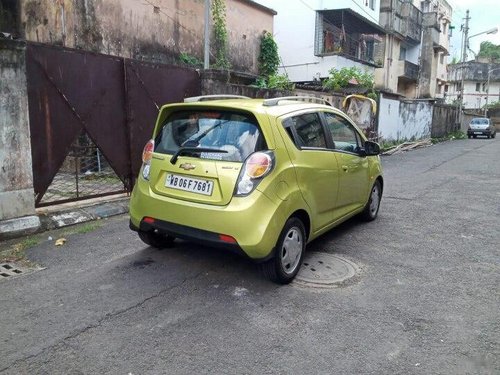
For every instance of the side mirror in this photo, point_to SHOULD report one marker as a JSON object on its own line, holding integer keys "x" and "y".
{"x": 372, "y": 148}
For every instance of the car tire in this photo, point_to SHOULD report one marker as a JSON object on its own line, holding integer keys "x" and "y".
{"x": 371, "y": 209}
{"x": 474, "y": 136}
{"x": 469, "y": 136}
{"x": 289, "y": 253}
{"x": 493, "y": 135}
{"x": 156, "y": 240}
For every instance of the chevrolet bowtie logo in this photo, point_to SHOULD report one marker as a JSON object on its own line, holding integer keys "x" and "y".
{"x": 187, "y": 166}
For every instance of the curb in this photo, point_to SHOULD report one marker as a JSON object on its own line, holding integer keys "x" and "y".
{"x": 61, "y": 216}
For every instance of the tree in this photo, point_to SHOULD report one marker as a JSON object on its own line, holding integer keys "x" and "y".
{"x": 339, "y": 79}
{"x": 489, "y": 50}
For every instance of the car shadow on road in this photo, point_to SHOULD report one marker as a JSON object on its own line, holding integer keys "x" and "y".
{"x": 190, "y": 258}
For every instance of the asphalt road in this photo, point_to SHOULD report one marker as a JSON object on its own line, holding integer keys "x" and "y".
{"x": 426, "y": 300}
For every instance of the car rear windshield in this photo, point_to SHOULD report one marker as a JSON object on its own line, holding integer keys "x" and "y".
{"x": 236, "y": 134}
{"x": 479, "y": 121}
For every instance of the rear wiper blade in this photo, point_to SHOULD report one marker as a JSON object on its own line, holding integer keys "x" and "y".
{"x": 184, "y": 150}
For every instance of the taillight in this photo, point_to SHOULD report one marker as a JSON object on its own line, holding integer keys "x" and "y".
{"x": 257, "y": 166}
{"x": 147, "y": 155}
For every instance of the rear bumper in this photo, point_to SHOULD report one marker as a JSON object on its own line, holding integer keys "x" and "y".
{"x": 254, "y": 222}
{"x": 196, "y": 235}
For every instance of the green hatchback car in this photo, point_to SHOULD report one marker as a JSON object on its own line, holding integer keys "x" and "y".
{"x": 262, "y": 177}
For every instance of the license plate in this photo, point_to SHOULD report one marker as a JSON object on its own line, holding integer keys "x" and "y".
{"x": 478, "y": 132}
{"x": 194, "y": 185}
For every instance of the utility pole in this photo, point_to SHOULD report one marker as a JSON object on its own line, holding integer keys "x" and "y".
{"x": 206, "y": 61}
{"x": 465, "y": 45}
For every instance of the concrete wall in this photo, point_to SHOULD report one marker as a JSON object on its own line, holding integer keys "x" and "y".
{"x": 215, "y": 82}
{"x": 156, "y": 31}
{"x": 16, "y": 176}
{"x": 403, "y": 120}
{"x": 444, "y": 120}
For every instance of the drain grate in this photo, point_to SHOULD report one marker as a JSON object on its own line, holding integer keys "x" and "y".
{"x": 9, "y": 270}
{"x": 325, "y": 270}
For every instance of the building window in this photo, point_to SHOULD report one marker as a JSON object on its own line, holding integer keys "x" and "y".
{"x": 478, "y": 87}
{"x": 484, "y": 86}
{"x": 441, "y": 59}
{"x": 372, "y": 4}
{"x": 8, "y": 16}
{"x": 402, "y": 53}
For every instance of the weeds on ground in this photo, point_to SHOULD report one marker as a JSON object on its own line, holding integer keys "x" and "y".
{"x": 450, "y": 137}
{"x": 89, "y": 227}
{"x": 16, "y": 252}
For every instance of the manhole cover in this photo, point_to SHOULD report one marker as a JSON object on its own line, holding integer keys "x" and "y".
{"x": 324, "y": 270}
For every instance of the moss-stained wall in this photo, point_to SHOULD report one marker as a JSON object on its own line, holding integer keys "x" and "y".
{"x": 152, "y": 30}
{"x": 16, "y": 178}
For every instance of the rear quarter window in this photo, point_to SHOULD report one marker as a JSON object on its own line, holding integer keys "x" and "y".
{"x": 305, "y": 131}
{"x": 236, "y": 133}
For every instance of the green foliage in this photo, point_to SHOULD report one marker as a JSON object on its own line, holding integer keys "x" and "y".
{"x": 268, "y": 56}
{"x": 494, "y": 105}
{"x": 339, "y": 79}
{"x": 372, "y": 95}
{"x": 276, "y": 82}
{"x": 190, "y": 60}
{"x": 268, "y": 66}
{"x": 458, "y": 134}
{"x": 87, "y": 228}
{"x": 489, "y": 50}
{"x": 220, "y": 34}
{"x": 16, "y": 252}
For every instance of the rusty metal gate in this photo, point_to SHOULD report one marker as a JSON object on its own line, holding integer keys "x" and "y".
{"x": 90, "y": 115}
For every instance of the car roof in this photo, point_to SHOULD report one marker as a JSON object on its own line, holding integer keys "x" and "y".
{"x": 275, "y": 107}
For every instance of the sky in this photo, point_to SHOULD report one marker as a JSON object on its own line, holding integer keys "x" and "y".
{"x": 485, "y": 15}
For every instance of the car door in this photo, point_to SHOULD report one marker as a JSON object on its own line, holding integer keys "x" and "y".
{"x": 315, "y": 165}
{"x": 354, "y": 177}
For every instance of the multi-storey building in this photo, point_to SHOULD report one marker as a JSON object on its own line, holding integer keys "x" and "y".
{"x": 317, "y": 35}
{"x": 481, "y": 83}
{"x": 417, "y": 47}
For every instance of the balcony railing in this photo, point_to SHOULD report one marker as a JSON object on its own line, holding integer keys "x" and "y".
{"x": 367, "y": 48}
{"x": 410, "y": 71}
{"x": 402, "y": 17}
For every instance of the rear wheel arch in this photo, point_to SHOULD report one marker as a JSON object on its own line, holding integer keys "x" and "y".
{"x": 303, "y": 216}
{"x": 381, "y": 180}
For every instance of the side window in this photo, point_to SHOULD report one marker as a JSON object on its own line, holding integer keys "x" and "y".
{"x": 306, "y": 130}
{"x": 345, "y": 137}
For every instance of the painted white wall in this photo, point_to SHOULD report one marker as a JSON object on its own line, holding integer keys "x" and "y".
{"x": 320, "y": 68}
{"x": 404, "y": 120}
{"x": 388, "y": 120}
{"x": 294, "y": 28}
